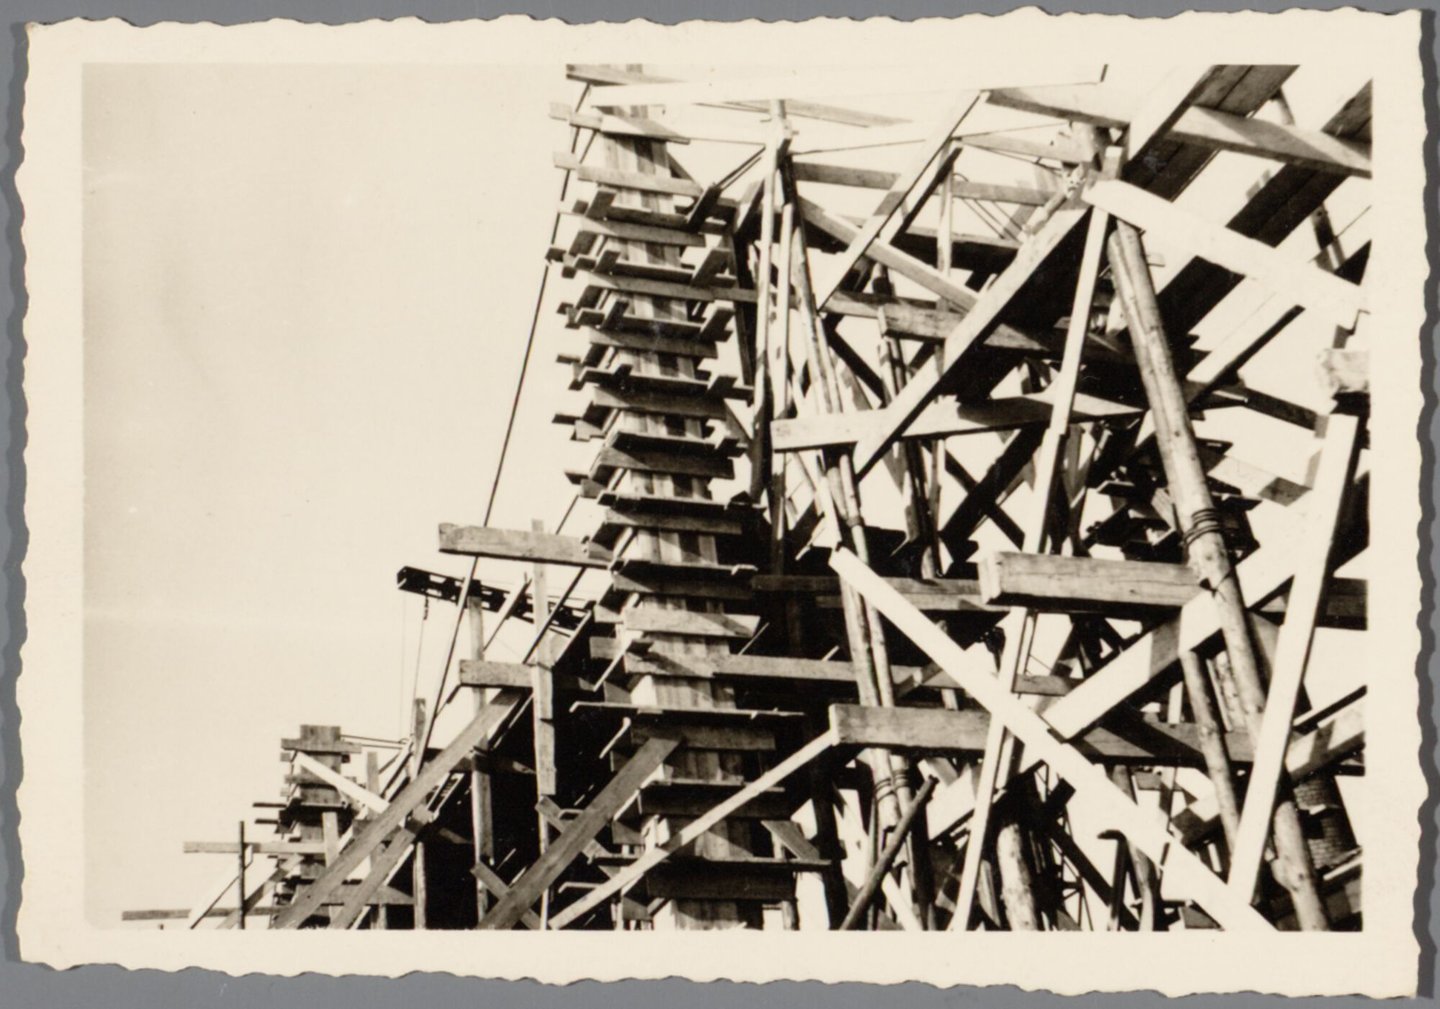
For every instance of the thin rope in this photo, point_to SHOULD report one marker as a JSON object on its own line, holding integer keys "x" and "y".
{"x": 504, "y": 444}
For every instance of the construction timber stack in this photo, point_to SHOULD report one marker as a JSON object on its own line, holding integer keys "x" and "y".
{"x": 929, "y": 582}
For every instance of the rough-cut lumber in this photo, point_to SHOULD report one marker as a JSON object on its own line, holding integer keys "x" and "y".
{"x": 486, "y": 673}
{"x": 435, "y": 771}
{"x": 1084, "y": 584}
{"x": 1302, "y": 282}
{"x": 1184, "y": 868}
{"x": 693, "y": 622}
{"x": 972, "y": 331}
{"x": 1292, "y": 652}
{"x": 515, "y": 545}
{"x": 834, "y": 84}
{"x": 1108, "y": 106}
{"x": 578, "y": 833}
{"x": 943, "y": 418}
{"x": 261, "y": 847}
{"x": 692, "y": 830}
{"x": 1143, "y": 741}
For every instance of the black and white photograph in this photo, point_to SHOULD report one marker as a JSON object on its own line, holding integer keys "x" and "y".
{"x": 536, "y": 490}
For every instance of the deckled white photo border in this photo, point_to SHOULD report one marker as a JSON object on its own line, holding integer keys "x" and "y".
{"x": 1381, "y": 961}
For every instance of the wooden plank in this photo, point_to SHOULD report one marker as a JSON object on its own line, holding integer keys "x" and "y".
{"x": 1105, "y": 105}
{"x": 486, "y": 673}
{"x": 350, "y": 789}
{"x": 1162, "y": 106}
{"x": 692, "y": 798}
{"x": 811, "y": 83}
{"x": 261, "y": 847}
{"x": 870, "y": 178}
{"x": 485, "y": 723}
{"x": 517, "y": 545}
{"x": 649, "y": 461}
{"x": 1138, "y": 825}
{"x": 1054, "y": 582}
{"x": 652, "y": 620}
{"x": 972, "y": 331}
{"x": 639, "y": 181}
{"x": 650, "y": 343}
{"x": 809, "y": 670}
{"x": 498, "y": 889}
{"x": 382, "y": 867}
{"x": 656, "y": 403}
{"x": 687, "y": 834}
{"x": 1261, "y": 575}
{"x": 1323, "y": 745}
{"x": 579, "y": 832}
{"x": 931, "y": 158}
{"x": 714, "y": 525}
{"x": 1143, "y": 742}
{"x": 630, "y": 232}
{"x": 1303, "y": 282}
{"x": 1292, "y": 651}
{"x": 943, "y": 418}
{"x": 707, "y": 879}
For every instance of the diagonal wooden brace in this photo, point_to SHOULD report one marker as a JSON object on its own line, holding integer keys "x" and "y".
{"x": 1140, "y": 827}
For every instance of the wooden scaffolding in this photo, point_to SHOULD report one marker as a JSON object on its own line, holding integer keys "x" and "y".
{"x": 918, "y": 593}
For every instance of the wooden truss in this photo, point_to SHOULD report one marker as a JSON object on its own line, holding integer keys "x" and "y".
{"x": 919, "y": 596}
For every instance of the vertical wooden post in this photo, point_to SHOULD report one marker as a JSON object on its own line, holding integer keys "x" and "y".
{"x": 417, "y": 760}
{"x": 1020, "y": 625}
{"x": 1205, "y": 544}
{"x": 840, "y": 475}
{"x": 1212, "y": 742}
{"x": 482, "y": 826}
{"x": 240, "y": 881}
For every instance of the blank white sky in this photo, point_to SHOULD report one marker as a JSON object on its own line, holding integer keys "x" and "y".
{"x": 306, "y": 295}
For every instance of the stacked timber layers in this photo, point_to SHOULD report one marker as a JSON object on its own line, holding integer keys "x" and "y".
{"x": 677, "y": 598}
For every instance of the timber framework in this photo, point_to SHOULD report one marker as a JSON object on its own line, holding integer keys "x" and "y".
{"x": 926, "y": 572}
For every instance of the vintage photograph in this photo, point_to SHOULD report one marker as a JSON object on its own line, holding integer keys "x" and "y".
{"x": 557, "y": 494}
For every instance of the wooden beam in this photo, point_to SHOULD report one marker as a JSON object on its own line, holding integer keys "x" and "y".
{"x": 1138, "y": 825}
{"x": 1322, "y": 745}
{"x": 382, "y": 868}
{"x": 515, "y": 545}
{"x": 971, "y": 333}
{"x": 1261, "y": 575}
{"x": 913, "y": 177}
{"x": 578, "y": 833}
{"x": 485, "y": 673}
{"x": 350, "y": 789}
{"x": 1165, "y": 104}
{"x": 499, "y": 889}
{"x": 1303, "y": 282}
{"x": 833, "y": 84}
{"x": 1053, "y": 582}
{"x": 652, "y": 620}
{"x": 485, "y": 723}
{"x": 1292, "y": 652}
{"x": 945, "y": 417}
{"x": 260, "y": 847}
{"x": 692, "y": 830}
{"x": 1142, "y": 741}
{"x": 1107, "y": 106}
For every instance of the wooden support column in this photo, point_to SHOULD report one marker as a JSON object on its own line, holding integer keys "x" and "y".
{"x": 1205, "y": 543}
{"x": 482, "y": 822}
{"x": 872, "y": 676}
{"x": 417, "y": 760}
{"x": 1292, "y": 651}
{"x": 998, "y": 760}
